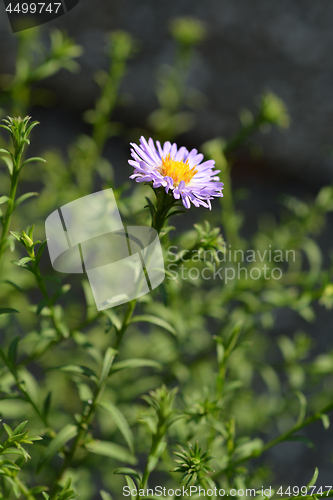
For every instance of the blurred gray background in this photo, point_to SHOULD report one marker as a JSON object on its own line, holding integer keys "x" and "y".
{"x": 252, "y": 45}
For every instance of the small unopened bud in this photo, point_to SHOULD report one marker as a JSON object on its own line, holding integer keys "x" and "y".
{"x": 188, "y": 30}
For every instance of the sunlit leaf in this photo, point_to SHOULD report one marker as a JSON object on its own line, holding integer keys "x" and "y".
{"x": 64, "y": 435}
{"x": 111, "y": 450}
{"x": 135, "y": 363}
{"x": 147, "y": 318}
{"x": 120, "y": 422}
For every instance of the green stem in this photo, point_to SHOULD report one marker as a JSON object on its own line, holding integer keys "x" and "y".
{"x": 155, "y": 443}
{"x": 125, "y": 323}
{"x": 164, "y": 203}
{"x": 203, "y": 483}
{"x": 10, "y": 207}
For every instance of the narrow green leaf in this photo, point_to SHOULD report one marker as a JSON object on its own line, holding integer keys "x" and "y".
{"x": 24, "y": 197}
{"x": 111, "y": 450}
{"x": 220, "y": 351}
{"x": 51, "y": 278}
{"x": 131, "y": 485}
{"x": 43, "y": 303}
{"x": 16, "y": 235}
{"x": 233, "y": 386}
{"x": 63, "y": 436}
{"x": 105, "y": 495}
{"x": 12, "y": 351}
{"x": 25, "y": 260}
{"x": 78, "y": 370}
{"x": 156, "y": 321}
{"x": 14, "y": 485}
{"x": 3, "y": 356}
{"x": 30, "y": 230}
{"x": 8, "y": 310}
{"x": 176, "y": 212}
{"x": 301, "y": 439}
{"x": 94, "y": 352}
{"x": 6, "y": 127}
{"x": 232, "y": 341}
{"x": 14, "y": 285}
{"x": 8, "y": 464}
{"x": 31, "y": 126}
{"x": 61, "y": 291}
{"x": 326, "y": 420}
{"x": 29, "y": 160}
{"x": 113, "y": 318}
{"x": 150, "y": 204}
{"x": 39, "y": 254}
{"x": 4, "y": 199}
{"x": 9, "y": 163}
{"x": 135, "y": 363}
{"x": 314, "y": 478}
{"x": 19, "y": 428}
{"x": 128, "y": 471}
{"x": 302, "y": 410}
{"x": 47, "y": 404}
{"x": 85, "y": 393}
{"x": 8, "y": 430}
{"x": 107, "y": 363}
{"x": 38, "y": 489}
{"x": 17, "y": 451}
{"x": 26, "y": 266}
{"x": 67, "y": 493}
{"x": 120, "y": 422}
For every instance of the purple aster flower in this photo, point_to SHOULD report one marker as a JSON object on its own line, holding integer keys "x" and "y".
{"x": 177, "y": 170}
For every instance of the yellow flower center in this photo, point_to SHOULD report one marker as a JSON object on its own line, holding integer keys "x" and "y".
{"x": 177, "y": 170}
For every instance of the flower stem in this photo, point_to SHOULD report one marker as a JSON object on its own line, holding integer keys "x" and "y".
{"x": 164, "y": 203}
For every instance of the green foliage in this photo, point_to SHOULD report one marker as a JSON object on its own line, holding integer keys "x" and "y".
{"x": 10, "y": 469}
{"x": 195, "y": 361}
{"x": 192, "y": 463}
{"x": 34, "y": 63}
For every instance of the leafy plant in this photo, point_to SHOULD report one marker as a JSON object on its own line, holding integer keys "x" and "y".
{"x": 192, "y": 366}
